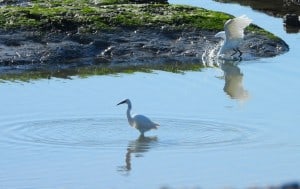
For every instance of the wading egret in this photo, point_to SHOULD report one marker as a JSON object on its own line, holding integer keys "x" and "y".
{"x": 233, "y": 34}
{"x": 140, "y": 122}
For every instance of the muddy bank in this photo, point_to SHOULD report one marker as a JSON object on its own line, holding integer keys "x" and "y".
{"x": 39, "y": 36}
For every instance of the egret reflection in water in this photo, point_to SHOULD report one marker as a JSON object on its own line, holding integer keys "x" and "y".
{"x": 234, "y": 81}
{"x": 233, "y": 75}
{"x": 137, "y": 147}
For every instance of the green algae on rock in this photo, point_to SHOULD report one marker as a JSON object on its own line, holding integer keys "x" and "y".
{"x": 66, "y": 16}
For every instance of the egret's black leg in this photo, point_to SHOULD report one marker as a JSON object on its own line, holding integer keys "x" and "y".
{"x": 235, "y": 51}
{"x": 142, "y": 135}
{"x": 240, "y": 59}
{"x": 240, "y": 52}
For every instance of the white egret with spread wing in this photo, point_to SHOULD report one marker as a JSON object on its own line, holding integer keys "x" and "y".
{"x": 140, "y": 122}
{"x": 233, "y": 34}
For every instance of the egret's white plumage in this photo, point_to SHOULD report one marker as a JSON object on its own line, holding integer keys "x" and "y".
{"x": 233, "y": 34}
{"x": 140, "y": 122}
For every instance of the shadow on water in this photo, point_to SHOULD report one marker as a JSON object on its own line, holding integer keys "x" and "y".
{"x": 137, "y": 147}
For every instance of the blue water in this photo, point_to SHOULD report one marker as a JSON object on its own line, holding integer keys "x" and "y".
{"x": 235, "y": 129}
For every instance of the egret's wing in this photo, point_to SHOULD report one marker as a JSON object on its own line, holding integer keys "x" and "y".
{"x": 234, "y": 28}
{"x": 144, "y": 121}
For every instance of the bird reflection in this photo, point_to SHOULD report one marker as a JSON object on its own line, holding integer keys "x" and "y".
{"x": 232, "y": 73}
{"x": 137, "y": 147}
{"x": 234, "y": 81}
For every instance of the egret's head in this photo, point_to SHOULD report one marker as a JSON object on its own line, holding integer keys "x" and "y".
{"x": 221, "y": 35}
{"x": 127, "y": 101}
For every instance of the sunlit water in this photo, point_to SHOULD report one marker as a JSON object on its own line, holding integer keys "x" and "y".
{"x": 235, "y": 126}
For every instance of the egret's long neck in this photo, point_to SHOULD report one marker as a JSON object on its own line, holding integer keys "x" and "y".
{"x": 129, "y": 117}
{"x": 223, "y": 48}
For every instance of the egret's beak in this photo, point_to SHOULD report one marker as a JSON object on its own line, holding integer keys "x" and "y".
{"x": 124, "y": 101}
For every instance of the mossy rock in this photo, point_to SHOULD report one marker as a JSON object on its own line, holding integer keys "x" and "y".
{"x": 105, "y": 14}
{"x": 90, "y": 16}
{"x": 114, "y": 35}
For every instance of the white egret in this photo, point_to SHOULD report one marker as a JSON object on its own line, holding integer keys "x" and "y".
{"x": 140, "y": 122}
{"x": 233, "y": 34}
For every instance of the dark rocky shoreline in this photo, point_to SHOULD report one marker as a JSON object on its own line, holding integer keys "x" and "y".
{"x": 123, "y": 46}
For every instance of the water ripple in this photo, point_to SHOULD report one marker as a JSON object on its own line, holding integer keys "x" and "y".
{"x": 208, "y": 133}
{"x": 114, "y": 133}
{"x": 73, "y": 132}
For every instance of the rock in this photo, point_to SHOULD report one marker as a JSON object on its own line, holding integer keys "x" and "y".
{"x": 291, "y": 20}
{"x": 277, "y": 8}
{"x": 122, "y": 46}
{"x": 42, "y": 37}
{"x": 290, "y": 186}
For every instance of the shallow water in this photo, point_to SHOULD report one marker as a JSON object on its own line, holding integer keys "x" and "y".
{"x": 237, "y": 126}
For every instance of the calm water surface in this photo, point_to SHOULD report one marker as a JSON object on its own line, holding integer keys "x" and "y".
{"x": 237, "y": 126}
